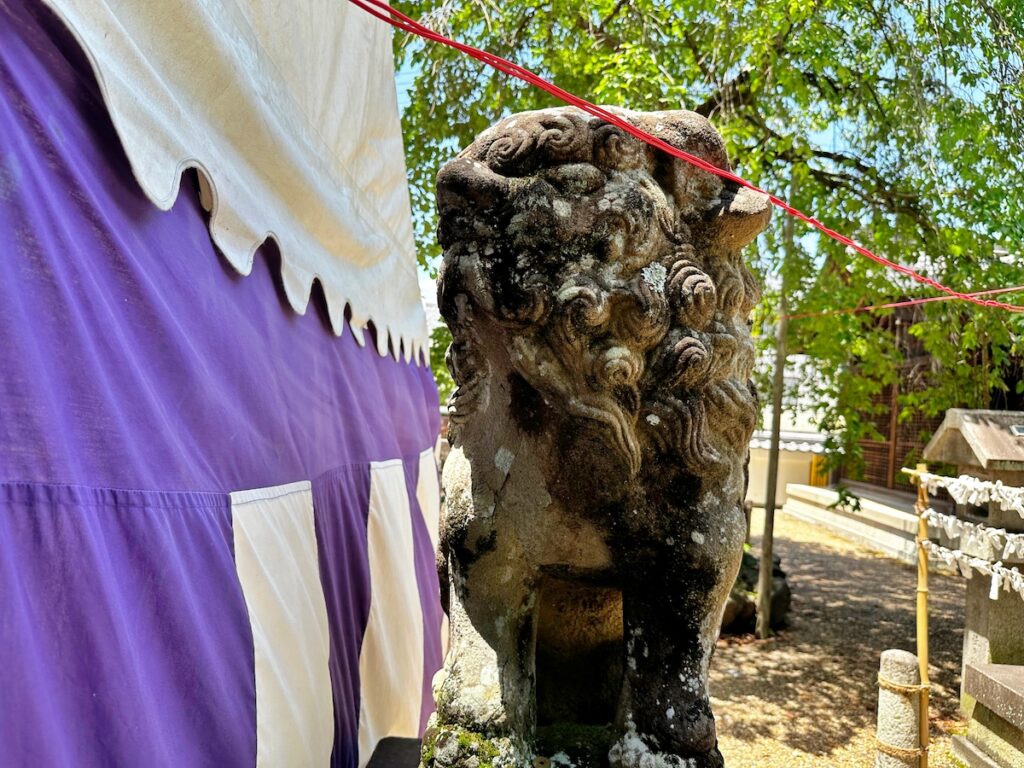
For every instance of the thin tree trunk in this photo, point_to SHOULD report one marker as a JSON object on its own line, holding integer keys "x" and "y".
{"x": 764, "y": 582}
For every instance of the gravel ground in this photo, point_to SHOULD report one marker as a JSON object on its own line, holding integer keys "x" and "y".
{"x": 807, "y": 697}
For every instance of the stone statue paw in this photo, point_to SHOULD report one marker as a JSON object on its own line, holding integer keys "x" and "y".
{"x": 632, "y": 751}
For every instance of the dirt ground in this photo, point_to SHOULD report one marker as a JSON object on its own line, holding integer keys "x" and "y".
{"x": 808, "y": 696}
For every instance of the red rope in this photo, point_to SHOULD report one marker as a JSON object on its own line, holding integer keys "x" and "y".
{"x": 895, "y": 304}
{"x": 384, "y": 12}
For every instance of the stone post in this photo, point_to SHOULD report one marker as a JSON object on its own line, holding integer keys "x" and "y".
{"x": 898, "y": 716}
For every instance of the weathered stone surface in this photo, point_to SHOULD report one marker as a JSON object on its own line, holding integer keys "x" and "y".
{"x": 971, "y": 756}
{"x": 992, "y": 633}
{"x": 997, "y": 738}
{"x": 898, "y": 713}
{"x": 593, "y": 519}
{"x": 1000, "y": 687}
{"x": 997, "y": 724}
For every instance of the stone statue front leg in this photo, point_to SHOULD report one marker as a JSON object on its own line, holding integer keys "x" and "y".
{"x": 672, "y": 615}
{"x": 485, "y": 692}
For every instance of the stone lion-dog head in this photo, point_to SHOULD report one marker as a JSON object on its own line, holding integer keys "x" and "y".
{"x": 611, "y": 275}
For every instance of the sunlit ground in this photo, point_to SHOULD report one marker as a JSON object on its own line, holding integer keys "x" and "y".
{"x": 808, "y": 696}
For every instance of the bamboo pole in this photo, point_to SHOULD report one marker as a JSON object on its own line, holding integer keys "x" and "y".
{"x": 922, "y": 610}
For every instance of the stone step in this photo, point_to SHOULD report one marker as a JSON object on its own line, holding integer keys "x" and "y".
{"x": 891, "y": 540}
{"x": 972, "y": 756}
{"x": 871, "y": 511}
{"x": 1000, "y": 687}
{"x": 853, "y": 522}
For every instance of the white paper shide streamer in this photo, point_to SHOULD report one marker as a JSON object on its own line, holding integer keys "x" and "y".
{"x": 975, "y": 536}
{"x": 970, "y": 490}
{"x": 972, "y": 535}
{"x": 1003, "y": 578}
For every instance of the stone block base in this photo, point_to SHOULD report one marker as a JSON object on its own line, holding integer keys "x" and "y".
{"x": 970, "y": 755}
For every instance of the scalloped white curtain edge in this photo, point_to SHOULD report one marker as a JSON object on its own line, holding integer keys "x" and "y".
{"x": 289, "y": 113}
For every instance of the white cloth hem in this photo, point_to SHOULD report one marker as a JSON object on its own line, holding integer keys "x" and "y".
{"x": 289, "y": 114}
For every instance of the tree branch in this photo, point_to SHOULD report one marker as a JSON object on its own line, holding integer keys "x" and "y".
{"x": 611, "y": 16}
{"x": 735, "y": 94}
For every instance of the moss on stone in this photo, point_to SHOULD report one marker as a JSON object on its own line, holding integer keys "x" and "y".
{"x": 473, "y": 749}
{"x": 478, "y": 745}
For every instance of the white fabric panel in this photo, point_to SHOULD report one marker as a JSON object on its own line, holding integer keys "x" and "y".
{"x": 428, "y": 495}
{"x": 276, "y": 558}
{"x": 289, "y": 111}
{"x": 391, "y": 658}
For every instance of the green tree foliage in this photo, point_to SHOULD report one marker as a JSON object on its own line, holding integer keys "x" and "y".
{"x": 440, "y": 338}
{"x": 901, "y": 124}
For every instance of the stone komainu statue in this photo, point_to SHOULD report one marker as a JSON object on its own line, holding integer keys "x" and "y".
{"x": 594, "y": 494}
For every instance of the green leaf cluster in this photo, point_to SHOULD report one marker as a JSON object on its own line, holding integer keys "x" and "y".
{"x": 900, "y": 124}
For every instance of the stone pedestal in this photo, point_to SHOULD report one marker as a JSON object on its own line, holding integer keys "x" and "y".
{"x": 993, "y": 629}
{"x": 983, "y": 444}
{"x": 992, "y": 684}
{"x": 995, "y": 735}
{"x": 993, "y": 633}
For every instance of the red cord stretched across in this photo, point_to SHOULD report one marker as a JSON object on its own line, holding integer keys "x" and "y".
{"x": 384, "y": 12}
{"x": 896, "y": 304}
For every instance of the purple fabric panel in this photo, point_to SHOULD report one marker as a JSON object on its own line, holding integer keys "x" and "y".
{"x": 429, "y": 589}
{"x": 341, "y": 504}
{"x": 134, "y": 357}
{"x": 128, "y": 643}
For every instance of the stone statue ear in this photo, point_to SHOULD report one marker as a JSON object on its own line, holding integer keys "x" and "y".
{"x": 470, "y": 198}
{"x": 740, "y": 218}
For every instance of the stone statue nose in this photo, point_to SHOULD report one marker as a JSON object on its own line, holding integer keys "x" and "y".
{"x": 742, "y": 216}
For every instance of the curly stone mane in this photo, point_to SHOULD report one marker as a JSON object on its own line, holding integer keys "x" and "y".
{"x": 609, "y": 276}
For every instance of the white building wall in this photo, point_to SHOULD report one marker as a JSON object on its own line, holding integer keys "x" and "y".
{"x": 794, "y": 467}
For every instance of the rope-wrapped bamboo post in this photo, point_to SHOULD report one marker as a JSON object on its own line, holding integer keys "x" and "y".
{"x": 922, "y": 610}
{"x": 902, "y": 689}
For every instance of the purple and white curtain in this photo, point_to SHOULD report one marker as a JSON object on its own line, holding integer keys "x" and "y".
{"x": 217, "y": 519}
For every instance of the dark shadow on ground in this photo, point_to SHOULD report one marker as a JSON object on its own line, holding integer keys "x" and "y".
{"x": 396, "y": 753}
{"x": 821, "y": 673}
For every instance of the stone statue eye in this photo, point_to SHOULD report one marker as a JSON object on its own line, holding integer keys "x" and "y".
{"x": 575, "y": 178}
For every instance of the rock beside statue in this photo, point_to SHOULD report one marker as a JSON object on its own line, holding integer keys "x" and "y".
{"x": 740, "y": 614}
